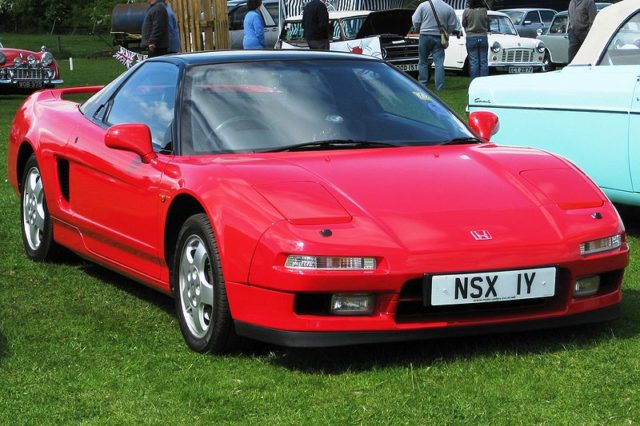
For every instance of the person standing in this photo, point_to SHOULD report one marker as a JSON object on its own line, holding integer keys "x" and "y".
{"x": 315, "y": 24}
{"x": 155, "y": 29}
{"x": 430, "y": 18}
{"x": 253, "y": 26}
{"x": 174, "y": 34}
{"x": 476, "y": 23}
{"x": 581, "y": 16}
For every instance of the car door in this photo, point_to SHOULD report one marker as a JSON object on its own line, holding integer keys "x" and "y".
{"x": 556, "y": 40}
{"x": 270, "y": 15}
{"x": 114, "y": 196}
{"x": 530, "y": 24}
{"x": 236, "y": 26}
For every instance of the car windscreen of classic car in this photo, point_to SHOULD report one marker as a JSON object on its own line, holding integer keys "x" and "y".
{"x": 624, "y": 47}
{"x": 265, "y": 106}
{"x": 501, "y": 25}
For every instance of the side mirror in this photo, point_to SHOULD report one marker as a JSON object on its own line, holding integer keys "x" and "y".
{"x": 132, "y": 137}
{"x": 484, "y": 123}
{"x": 526, "y": 23}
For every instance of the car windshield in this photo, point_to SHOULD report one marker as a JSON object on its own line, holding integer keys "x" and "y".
{"x": 515, "y": 15}
{"x": 501, "y": 25}
{"x": 351, "y": 26}
{"x": 277, "y": 105}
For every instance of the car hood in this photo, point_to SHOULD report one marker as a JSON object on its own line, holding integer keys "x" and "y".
{"x": 429, "y": 195}
{"x": 510, "y": 41}
{"x": 11, "y": 54}
{"x": 394, "y": 21}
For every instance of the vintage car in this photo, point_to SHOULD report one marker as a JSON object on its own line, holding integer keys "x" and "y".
{"x": 26, "y": 70}
{"x": 589, "y": 111}
{"x": 312, "y": 199}
{"x": 530, "y": 21}
{"x": 508, "y": 51}
{"x": 381, "y": 34}
{"x": 556, "y": 40}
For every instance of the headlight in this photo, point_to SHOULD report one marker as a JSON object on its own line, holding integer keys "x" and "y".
{"x": 31, "y": 60}
{"x": 2, "y": 58}
{"x": 47, "y": 59}
{"x": 495, "y": 47}
{"x": 540, "y": 47}
{"x": 330, "y": 263}
{"x": 17, "y": 61}
{"x": 600, "y": 245}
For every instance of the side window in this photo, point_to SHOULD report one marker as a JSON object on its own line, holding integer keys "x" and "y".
{"x": 559, "y": 25}
{"x": 236, "y": 17}
{"x": 547, "y": 16}
{"x": 148, "y": 97}
{"x": 532, "y": 17}
{"x": 624, "y": 47}
{"x": 272, "y": 8}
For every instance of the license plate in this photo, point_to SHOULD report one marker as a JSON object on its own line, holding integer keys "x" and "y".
{"x": 408, "y": 67}
{"x": 519, "y": 70}
{"x": 501, "y": 286}
{"x": 30, "y": 84}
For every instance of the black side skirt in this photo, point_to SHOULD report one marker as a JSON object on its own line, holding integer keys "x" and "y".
{"x": 311, "y": 339}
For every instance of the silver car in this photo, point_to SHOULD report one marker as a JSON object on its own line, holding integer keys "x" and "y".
{"x": 529, "y": 21}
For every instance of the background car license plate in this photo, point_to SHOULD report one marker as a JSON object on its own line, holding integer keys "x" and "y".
{"x": 30, "y": 84}
{"x": 518, "y": 70}
{"x": 408, "y": 67}
{"x": 501, "y": 286}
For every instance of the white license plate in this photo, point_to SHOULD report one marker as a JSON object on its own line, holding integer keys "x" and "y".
{"x": 30, "y": 84}
{"x": 519, "y": 70}
{"x": 501, "y": 286}
{"x": 408, "y": 67}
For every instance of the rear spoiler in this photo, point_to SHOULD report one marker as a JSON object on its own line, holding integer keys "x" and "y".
{"x": 75, "y": 90}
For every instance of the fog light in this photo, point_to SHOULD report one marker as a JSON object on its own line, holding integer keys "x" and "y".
{"x": 600, "y": 245}
{"x": 587, "y": 286}
{"x": 352, "y": 304}
{"x": 331, "y": 263}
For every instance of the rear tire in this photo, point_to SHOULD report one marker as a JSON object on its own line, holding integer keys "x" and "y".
{"x": 37, "y": 229}
{"x": 199, "y": 289}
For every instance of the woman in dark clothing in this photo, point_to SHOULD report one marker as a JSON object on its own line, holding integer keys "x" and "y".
{"x": 476, "y": 24}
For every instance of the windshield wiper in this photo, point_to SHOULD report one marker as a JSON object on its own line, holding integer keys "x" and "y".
{"x": 461, "y": 141}
{"x": 332, "y": 144}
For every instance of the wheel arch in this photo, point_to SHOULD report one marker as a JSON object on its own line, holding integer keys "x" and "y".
{"x": 182, "y": 207}
{"x": 24, "y": 152}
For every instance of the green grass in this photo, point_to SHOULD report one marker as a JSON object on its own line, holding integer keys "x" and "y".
{"x": 79, "y": 344}
{"x": 76, "y": 46}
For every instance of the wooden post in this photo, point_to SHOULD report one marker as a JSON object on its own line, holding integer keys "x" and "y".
{"x": 197, "y": 25}
{"x": 220, "y": 24}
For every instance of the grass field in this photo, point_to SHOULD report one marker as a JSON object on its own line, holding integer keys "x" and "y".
{"x": 79, "y": 344}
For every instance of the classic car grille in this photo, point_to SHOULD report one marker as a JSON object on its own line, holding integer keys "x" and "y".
{"x": 517, "y": 55}
{"x": 412, "y": 307}
{"x": 29, "y": 74}
{"x": 401, "y": 51}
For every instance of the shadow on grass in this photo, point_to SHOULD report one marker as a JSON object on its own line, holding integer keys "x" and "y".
{"x": 430, "y": 352}
{"x": 631, "y": 218}
{"x": 4, "y": 348}
{"x": 134, "y": 288}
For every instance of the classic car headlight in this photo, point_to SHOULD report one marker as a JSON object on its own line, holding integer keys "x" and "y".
{"x": 540, "y": 47}
{"x": 330, "y": 263}
{"x": 17, "y": 61}
{"x": 2, "y": 58}
{"x": 495, "y": 47}
{"x": 31, "y": 60}
{"x": 47, "y": 59}
{"x": 600, "y": 245}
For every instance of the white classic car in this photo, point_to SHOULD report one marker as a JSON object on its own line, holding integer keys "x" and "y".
{"x": 380, "y": 34}
{"x": 507, "y": 50}
{"x": 589, "y": 110}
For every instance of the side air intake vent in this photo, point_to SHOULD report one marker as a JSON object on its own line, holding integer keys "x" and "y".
{"x": 63, "y": 175}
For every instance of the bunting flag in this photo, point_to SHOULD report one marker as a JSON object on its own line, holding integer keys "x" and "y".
{"x": 129, "y": 58}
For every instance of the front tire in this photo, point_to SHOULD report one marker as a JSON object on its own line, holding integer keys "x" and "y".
{"x": 37, "y": 229}
{"x": 547, "y": 64}
{"x": 199, "y": 289}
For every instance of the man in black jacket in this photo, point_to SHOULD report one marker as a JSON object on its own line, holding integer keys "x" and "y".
{"x": 155, "y": 29}
{"x": 315, "y": 24}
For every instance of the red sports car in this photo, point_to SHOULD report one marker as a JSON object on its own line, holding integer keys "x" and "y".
{"x": 312, "y": 199}
{"x": 23, "y": 69}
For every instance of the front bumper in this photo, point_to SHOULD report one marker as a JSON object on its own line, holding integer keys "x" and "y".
{"x": 312, "y": 339}
{"x": 29, "y": 83}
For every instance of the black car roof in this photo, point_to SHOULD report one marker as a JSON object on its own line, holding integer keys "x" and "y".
{"x": 210, "y": 57}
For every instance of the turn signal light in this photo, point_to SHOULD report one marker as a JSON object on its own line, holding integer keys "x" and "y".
{"x": 600, "y": 245}
{"x": 331, "y": 263}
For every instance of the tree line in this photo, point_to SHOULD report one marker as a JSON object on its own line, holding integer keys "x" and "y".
{"x": 56, "y": 16}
